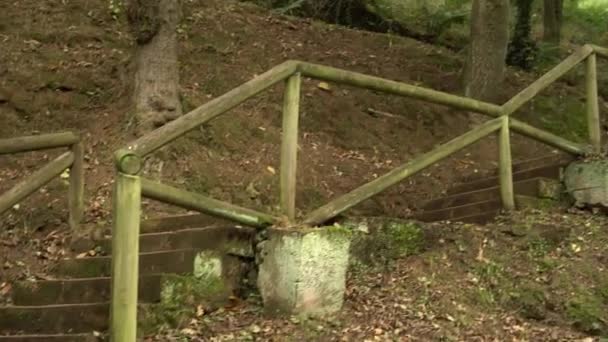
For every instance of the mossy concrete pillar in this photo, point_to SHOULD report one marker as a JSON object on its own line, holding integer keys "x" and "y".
{"x": 303, "y": 271}
{"x": 587, "y": 182}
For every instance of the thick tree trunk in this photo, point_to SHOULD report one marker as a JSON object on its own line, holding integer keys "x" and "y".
{"x": 485, "y": 66}
{"x": 552, "y": 21}
{"x": 156, "y": 92}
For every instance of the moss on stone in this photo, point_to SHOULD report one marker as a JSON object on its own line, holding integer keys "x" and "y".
{"x": 182, "y": 294}
{"x": 382, "y": 239}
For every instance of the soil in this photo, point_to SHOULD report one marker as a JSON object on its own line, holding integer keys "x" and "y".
{"x": 532, "y": 276}
{"x": 64, "y": 65}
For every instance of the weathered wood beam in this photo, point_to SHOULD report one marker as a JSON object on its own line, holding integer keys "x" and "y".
{"x": 600, "y": 51}
{"x": 505, "y": 166}
{"x": 397, "y": 88}
{"x": 37, "y": 142}
{"x": 593, "y": 109}
{"x": 125, "y": 257}
{"x": 190, "y": 200}
{"x": 546, "y": 137}
{"x": 35, "y": 181}
{"x": 289, "y": 146}
{"x": 76, "y": 191}
{"x": 544, "y": 81}
{"x": 176, "y": 128}
{"x": 345, "y": 202}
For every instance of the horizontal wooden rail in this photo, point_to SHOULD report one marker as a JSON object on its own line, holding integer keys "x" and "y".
{"x": 344, "y": 202}
{"x": 190, "y": 200}
{"x": 544, "y": 81}
{"x": 600, "y": 51}
{"x": 35, "y": 181}
{"x": 397, "y": 88}
{"x": 169, "y": 132}
{"x": 38, "y": 142}
{"x": 546, "y": 137}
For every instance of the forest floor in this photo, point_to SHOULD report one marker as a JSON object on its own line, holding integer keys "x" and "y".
{"x": 532, "y": 276}
{"x": 64, "y": 64}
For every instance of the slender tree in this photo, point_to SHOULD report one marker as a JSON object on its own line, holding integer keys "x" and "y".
{"x": 153, "y": 24}
{"x": 485, "y": 66}
{"x": 552, "y": 20}
{"x": 522, "y": 49}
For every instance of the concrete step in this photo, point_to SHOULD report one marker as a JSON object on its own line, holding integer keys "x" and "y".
{"x": 74, "y": 291}
{"x": 50, "y": 338}
{"x": 54, "y": 319}
{"x": 232, "y": 239}
{"x": 173, "y": 261}
{"x": 525, "y": 187}
{"x": 548, "y": 171}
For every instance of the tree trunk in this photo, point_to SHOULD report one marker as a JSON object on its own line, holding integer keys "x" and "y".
{"x": 485, "y": 66}
{"x": 522, "y": 49}
{"x": 156, "y": 90}
{"x": 552, "y": 21}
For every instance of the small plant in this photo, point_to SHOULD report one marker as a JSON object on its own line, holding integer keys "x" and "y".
{"x": 538, "y": 248}
{"x": 115, "y": 7}
{"x": 586, "y": 313}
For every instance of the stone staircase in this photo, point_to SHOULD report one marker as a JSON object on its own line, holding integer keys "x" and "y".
{"x": 478, "y": 200}
{"x": 75, "y": 306}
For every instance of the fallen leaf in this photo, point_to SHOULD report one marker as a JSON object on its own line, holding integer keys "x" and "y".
{"x": 271, "y": 169}
{"x": 323, "y": 86}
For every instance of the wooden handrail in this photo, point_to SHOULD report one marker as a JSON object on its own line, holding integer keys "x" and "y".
{"x": 38, "y": 142}
{"x": 544, "y": 81}
{"x": 35, "y": 181}
{"x": 546, "y": 137}
{"x": 41, "y": 177}
{"x": 130, "y": 187}
{"x": 600, "y": 51}
{"x": 397, "y": 175}
{"x": 190, "y": 200}
{"x": 174, "y": 129}
{"x": 326, "y": 73}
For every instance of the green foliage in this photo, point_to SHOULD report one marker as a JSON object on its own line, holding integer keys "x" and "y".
{"x": 565, "y": 116}
{"x": 586, "y": 21}
{"x": 529, "y": 300}
{"x": 586, "y": 313}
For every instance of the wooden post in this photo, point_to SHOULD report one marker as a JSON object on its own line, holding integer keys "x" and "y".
{"x": 76, "y": 192}
{"x": 289, "y": 146}
{"x": 593, "y": 111}
{"x": 125, "y": 257}
{"x": 506, "y": 171}
{"x": 35, "y": 181}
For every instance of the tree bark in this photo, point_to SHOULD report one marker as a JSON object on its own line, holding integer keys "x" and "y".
{"x": 522, "y": 49}
{"x": 552, "y": 21}
{"x": 156, "y": 89}
{"x": 485, "y": 66}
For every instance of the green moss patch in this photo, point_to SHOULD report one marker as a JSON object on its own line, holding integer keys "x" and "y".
{"x": 382, "y": 239}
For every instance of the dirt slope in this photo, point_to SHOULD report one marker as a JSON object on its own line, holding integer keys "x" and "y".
{"x": 64, "y": 64}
